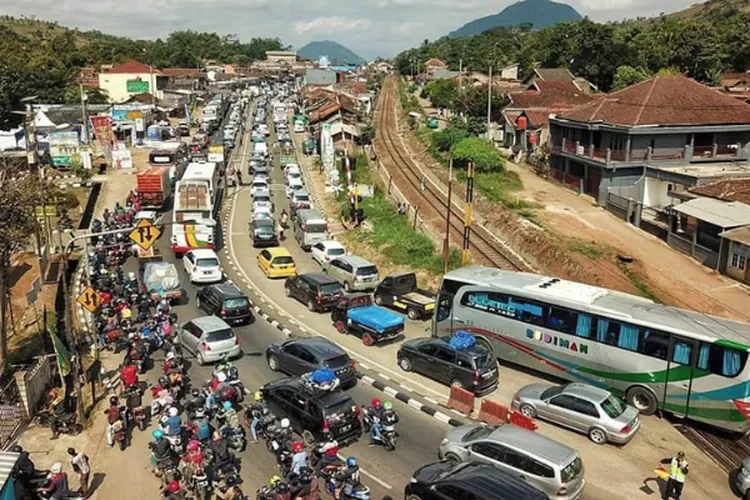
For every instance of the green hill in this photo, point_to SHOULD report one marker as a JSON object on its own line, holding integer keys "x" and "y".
{"x": 539, "y": 13}
{"x": 335, "y": 52}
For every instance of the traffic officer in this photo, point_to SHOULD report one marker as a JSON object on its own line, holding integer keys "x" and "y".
{"x": 678, "y": 470}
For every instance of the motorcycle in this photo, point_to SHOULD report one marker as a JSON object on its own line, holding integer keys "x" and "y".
{"x": 121, "y": 436}
{"x": 65, "y": 423}
{"x": 177, "y": 442}
{"x": 72, "y": 495}
{"x": 388, "y": 435}
{"x": 140, "y": 417}
{"x": 357, "y": 491}
{"x": 199, "y": 485}
{"x": 235, "y": 437}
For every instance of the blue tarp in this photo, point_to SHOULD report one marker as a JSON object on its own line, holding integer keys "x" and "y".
{"x": 374, "y": 317}
{"x": 462, "y": 339}
{"x": 9, "y": 490}
{"x": 322, "y": 376}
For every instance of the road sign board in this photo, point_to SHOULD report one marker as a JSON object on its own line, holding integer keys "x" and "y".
{"x": 89, "y": 299}
{"x": 145, "y": 234}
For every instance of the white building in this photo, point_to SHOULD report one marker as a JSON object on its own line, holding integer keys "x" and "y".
{"x": 131, "y": 78}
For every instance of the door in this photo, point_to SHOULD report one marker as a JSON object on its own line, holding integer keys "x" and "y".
{"x": 681, "y": 361}
{"x": 560, "y": 409}
{"x": 585, "y": 415}
{"x": 292, "y": 360}
{"x": 190, "y": 335}
{"x": 187, "y": 261}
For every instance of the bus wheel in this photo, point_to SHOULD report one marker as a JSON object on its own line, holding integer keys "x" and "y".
{"x": 643, "y": 399}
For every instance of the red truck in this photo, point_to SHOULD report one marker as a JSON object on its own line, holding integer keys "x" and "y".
{"x": 154, "y": 187}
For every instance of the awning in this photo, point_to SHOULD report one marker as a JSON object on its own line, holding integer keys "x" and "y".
{"x": 724, "y": 214}
{"x": 740, "y": 235}
{"x": 7, "y": 462}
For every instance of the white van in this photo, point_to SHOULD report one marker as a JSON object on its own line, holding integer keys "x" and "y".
{"x": 260, "y": 147}
{"x": 299, "y": 126}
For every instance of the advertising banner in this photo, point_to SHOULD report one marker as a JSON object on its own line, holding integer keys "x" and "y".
{"x": 216, "y": 153}
{"x": 122, "y": 159}
{"x": 105, "y": 137}
{"x": 137, "y": 86}
{"x": 63, "y": 147}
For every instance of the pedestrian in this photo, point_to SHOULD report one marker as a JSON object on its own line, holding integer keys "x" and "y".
{"x": 239, "y": 177}
{"x": 80, "y": 463}
{"x": 678, "y": 470}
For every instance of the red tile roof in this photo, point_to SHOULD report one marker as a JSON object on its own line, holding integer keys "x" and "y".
{"x": 726, "y": 190}
{"x": 666, "y": 101}
{"x": 435, "y": 63}
{"x": 559, "y": 94}
{"x": 133, "y": 67}
{"x": 181, "y": 72}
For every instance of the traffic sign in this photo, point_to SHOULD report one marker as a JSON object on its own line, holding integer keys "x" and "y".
{"x": 145, "y": 234}
{"x": 89, "y": 299}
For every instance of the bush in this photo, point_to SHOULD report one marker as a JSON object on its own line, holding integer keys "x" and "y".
{"x": 443, "y": 140}
{"x": 480, "y": 152}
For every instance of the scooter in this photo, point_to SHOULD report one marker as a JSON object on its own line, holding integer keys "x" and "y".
{"x": 356, "y": 491}
{"x": 140, "y": 417}
{"x": 121, "y": 436}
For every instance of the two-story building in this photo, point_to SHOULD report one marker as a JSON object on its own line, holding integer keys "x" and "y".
{"x": 647, "y": 144}
{"x": 132, "y": 78}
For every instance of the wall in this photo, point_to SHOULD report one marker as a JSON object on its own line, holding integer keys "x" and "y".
{"x": 625, "y": 182}
{"x": 733, "y": 272}
{"x": 655, "y": 193}
{"x": 32, "y": 384}
{"x": 116, "y": 85}
{"x": 509, "y": 73}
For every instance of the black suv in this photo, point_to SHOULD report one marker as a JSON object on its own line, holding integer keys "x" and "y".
{"x": 263, "y": 233}
{"x": 318, "y": 291}
{"x": 473, "y": 368}
{"x": 226, "y": 301}
{"x": 448, "y": 480}
{"x": 300, "y": 356}
{"x": 308, "y": 409}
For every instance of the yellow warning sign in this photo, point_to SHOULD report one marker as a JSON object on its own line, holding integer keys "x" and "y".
{"x": 145, "y": 234}
{"x": 89, "y": 299}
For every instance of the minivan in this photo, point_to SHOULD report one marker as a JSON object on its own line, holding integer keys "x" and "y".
{"x": 225, "y": 300}
{"x": 355, "y": 273}
{"x": 552, "y": 467}
{"x": 310, "y": 227}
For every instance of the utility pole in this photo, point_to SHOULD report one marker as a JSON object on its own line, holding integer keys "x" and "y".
{"x": 489, "y": 103}
{"x": 468, "y": 216}
{"x": 84, "y": 114}
{"x": 446, "y": 241}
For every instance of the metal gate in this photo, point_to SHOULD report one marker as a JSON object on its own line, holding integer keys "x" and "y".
{"x": 11, "y": 413}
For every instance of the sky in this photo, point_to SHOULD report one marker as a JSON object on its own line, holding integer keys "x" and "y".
{"x": 368, "y": 27}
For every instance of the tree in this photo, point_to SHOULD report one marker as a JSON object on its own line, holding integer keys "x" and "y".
{"x": 480, "y": 152}
{"x": 367, "y": 134}
{"x": 442, "y": 93}
{"x": 443, "y": 140}
{"x": 626, "y": 76}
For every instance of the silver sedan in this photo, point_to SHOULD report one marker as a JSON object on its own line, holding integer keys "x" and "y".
{"x": 580, "y": 407}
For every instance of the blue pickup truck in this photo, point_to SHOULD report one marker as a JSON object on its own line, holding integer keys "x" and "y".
{"x": 355, "y": 313}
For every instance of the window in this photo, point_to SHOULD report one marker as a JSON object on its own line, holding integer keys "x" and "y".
{"x": 306, "y": 356}
{"x": 265, "y": 254}
{"x": 721, "y": 360}
{"x": 444, "y": 354}
{"x": 429, "y": 349}
{"x": 563, "y": 401}
{"x": 682, "y": 353}
{"x": 738, "y": 261}
{"x": 613, "y": 406}
{"x": 452, "y": 492}
{"x": 655, "y": 344}
{"x": 572, "y": 470}
{"x": 539, "y": 469}
{"x": 516, "y": 459}
{"x": 585, "y": 408}
{"x": 489, "y": 450}
{"x": 451, "y": 286}
{"x": 444, "y": 306}
{"x": 193, "y": 330}
{"x": 563, "y": 320}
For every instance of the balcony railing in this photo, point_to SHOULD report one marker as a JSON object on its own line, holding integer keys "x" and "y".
{"x": 608, "y": 155}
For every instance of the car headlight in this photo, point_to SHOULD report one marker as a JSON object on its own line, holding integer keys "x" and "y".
{"x": 444, "y": 441}
{"x": 413, "y": 480}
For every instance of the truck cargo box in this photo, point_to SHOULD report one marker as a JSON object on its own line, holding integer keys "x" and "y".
{"x": 153, "y": 187}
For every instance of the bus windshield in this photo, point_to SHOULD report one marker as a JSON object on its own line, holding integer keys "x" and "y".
{"x": 161, "y": 158}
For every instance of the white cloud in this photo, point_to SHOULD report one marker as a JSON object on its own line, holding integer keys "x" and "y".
{"x": 406, "y": 29}
{"x": 327, "y": 25}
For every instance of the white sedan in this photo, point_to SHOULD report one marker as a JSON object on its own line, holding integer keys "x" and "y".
{"x": 324, "y": 251}
{"x": 258, "y": 185}
{"x": 202, "y": 266}
{"x": 294, "y": 185}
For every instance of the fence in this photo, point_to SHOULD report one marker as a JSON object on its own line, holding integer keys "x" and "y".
{"x": 12, "y": 415}
{"x": 705, "y": 256}
{"x": 571, "y": 181}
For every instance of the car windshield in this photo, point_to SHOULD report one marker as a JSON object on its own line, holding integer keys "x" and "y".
{"x": 264, "y": 229}
{"x": 262, "y": 199}
{"x": 338, "y": 361}
{"x": 260, "y": 184}
{"x": 284, "y": 259}
{"x": 613, "y": 406}
{"x": 219, "y": 335}
{"x": 315, "y": 228}
{"x": 208, "y": 262}
{"x": 238, "y": 303}
{"x": 367, "y": 270}
{"x": 480, "y": 358}
{"x": 572, "y": 470}
{"x": 552, "y": 392}
{"x": 301, "y": 197}
{"x": 480, "y": 432}
{"x": 336, "y": 251}
{"x": 330, "y": 288}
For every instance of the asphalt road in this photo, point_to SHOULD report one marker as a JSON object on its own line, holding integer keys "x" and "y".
{"x": 384, "y": 472}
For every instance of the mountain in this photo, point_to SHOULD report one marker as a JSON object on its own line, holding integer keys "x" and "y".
{"x": 335, "y": 52}
{"x": 540, "y": 13}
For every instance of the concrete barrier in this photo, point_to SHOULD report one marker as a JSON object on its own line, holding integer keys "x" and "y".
{"x": 520, "y": 420}
{"x": 461, "y": 400}
{"x": 492, "y": 413}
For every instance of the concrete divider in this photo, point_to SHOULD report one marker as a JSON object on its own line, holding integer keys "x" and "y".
{"x": 461, "y": 400}
{"x": 492, "y": 413}
{"x": 522, "y": 421}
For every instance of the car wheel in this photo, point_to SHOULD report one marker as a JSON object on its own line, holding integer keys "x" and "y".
{"x": 199, "y": 359}
{"x": 413, "y": 314}
{"x": 405, "y": 364}
{"x": 347, "y": 287}
{"x": 273, "y": 363}
{"x": 340, "y": 327}
{"x": 288, "y": 291}
{"x": 457, "y": 383}
{"x": 311, "y": 305}
{"x": 642, "y": 399}
{"x": 378, "y": 300}
{"x": 452, "y": 458}
{"x": 597, "y": 435}
{"x": 527, "y": 410}
{"x": 368, "y": 339}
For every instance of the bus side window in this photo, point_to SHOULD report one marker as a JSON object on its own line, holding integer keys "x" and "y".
{"x": 721, "y": 360}
{"x": 562, "y": 320}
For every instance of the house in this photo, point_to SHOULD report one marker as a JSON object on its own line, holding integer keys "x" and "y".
{"x": 736, "y": 82}
{"x": 526, "y": 116}
{"x": 320, "y": 77}
{"x": 344, "y": 135}
{"x": 130, "y": 78}
{"x": 88, "y": 77}
{"x": 186, "y": 78}
{"x": 281, "y": 57}
{"x": 650, "y": 143}
{"x": 432, "y": 65}
{"x": 334, "y": 104}
{"x": 442, "y": 73}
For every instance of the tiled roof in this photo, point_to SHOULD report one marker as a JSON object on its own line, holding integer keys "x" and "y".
{"x": 666, "y": 101}
{"x": 558, "y": 94}
{"x": 435, "y": 63}
{"x": 552, "y": 74}
{"x": 732, "y": 79}
{"x": 538, "y": 118}
{"x": 133, "y": 67}
{"x": 726, "y": 190}
{"x": 181, "y": 72}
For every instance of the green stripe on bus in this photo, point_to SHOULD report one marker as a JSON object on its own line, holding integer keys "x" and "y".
{"x": 731, "y": 344}
{"x": 723, "y": 414}
{"x": 676, "y": 374}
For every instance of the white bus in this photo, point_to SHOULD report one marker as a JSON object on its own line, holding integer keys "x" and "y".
{"x": 192, "y": 202}
{"x": 657, "y": 357}
{"x": 205, "y": 171}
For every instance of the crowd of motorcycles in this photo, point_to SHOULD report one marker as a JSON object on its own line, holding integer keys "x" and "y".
{"x": 198, "y": 428}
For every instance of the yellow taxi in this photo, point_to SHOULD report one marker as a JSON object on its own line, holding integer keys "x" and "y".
{"x": 276, "y": 262}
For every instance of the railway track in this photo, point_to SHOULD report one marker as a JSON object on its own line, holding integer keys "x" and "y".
{"x": 432, "y": 202}
{"x": 726, "y": 450}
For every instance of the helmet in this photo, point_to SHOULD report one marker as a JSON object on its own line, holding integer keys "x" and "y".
{"x": 233, "y": 373}
{"x": 285, "y": 423}
{"x": 200, "y": 412}
{"x": 193, "y": 445}
{"x": 305, "y": 475}
{"x": 297, "y": 446}
{"x": 170, "y": 355}
{"x": 351, "y": 462}
{"x": 195, "y": 393}
{"x": 293, "y": 479}
{"x": 56, "y": 468}
{"x": 166, "y": 328}
{"x": 131, "y": 276}
{"x": 375, "y": 403}
{"x": 387, "y": 406}
{"x": 113, "y": 400}
{"x": 163, "y": 381}
{"x": 174, "y": 486}
{"x": 163, "y": 420}
{"x": 222, "y": 377}
{"x": 173, "y": 412}
{"x": 15, "y": 449}
{"x": 274, "y": 480}
{"x": 281, "y": 487}
{"x": 258, "y": 396}
{"x": 158, "y": 434}
{"x": 227, "y": 405}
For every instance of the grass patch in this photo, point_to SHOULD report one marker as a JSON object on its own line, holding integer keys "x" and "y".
{"x": 590, "y": 249}
{"x": 393, "y": 235}
{"x": 500, "y": 187}
{"x": 639, "y": 284}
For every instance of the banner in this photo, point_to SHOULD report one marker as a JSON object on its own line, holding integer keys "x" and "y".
{"x": 122, "y": 159}
{"x": 63, "y": 148}
{"x": 63, "y": 355}
{"x": 105, "y": 137}
{"x": 137, "y": 86}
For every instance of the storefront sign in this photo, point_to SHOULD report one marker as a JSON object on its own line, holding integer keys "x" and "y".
{"x": 137, "y": 86}
{"x": 63, "y": 148}
{"x": 122, "y": 159}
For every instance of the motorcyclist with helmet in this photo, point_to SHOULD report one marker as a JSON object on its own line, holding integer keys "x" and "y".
{"x": 161, "y": 451}
{"x": 346, "y": 476}
{"x": 172, "y": 424}
{"x": 114, "y": 415}
{"x": 197, "y": 400}
{"x": 306, "y": 487}
{"x": 222, "y": 454}
{"x": 56, "y": 410}
{"x": 57, "y": 488}
{"x": 24, "y": 471}
{"x": 129, "y": 375}
{"x": 174, "y": 491}
{"x": 163, "y": 307}
{"x": 328, "y": 450}
{"x": 376, "y": 426}
{"x": 299, "y": 458}
{"x": 375, "y": 414}
{"x": 257, "y": 410}
{"x": 193, "y": 460}
{"x": 201, "y": 425}
{"x": 228, "y": 488}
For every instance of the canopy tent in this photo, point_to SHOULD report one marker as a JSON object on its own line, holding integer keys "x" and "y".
{"x": 42, "y": 122}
